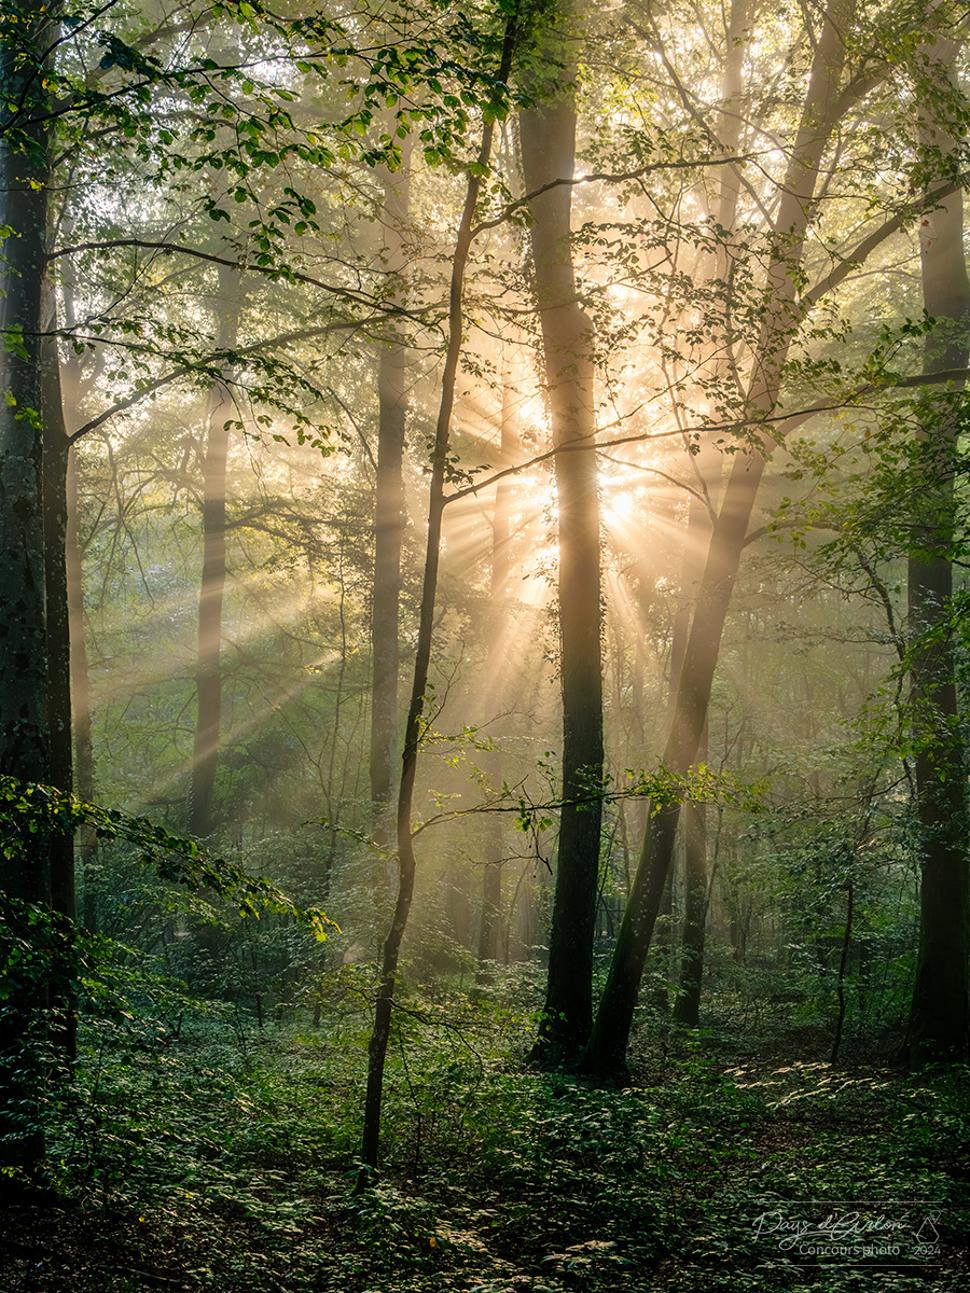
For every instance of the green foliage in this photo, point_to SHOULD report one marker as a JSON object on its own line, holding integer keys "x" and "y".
{"x": 219, "y": 1153}
{"x": 29, "y": 811}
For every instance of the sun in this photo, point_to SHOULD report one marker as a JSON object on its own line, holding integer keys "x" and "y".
{"x": 618, "y": 508}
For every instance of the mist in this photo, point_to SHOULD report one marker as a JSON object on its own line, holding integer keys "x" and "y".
{"x": 484, "y": 645}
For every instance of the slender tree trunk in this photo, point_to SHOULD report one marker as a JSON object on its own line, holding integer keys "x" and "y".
{"x": 389, "y": 515}
{"x": 659, "y": 993}
{"x": 24, "y": 727}
{"x": 491, "y": 910}
{"x": 840, "y": 977}
{"x": 606, "y": 1053}
{"x": 939, "y": 1022}
{"x": 693, "y": 824}
{"x": 55, "y": 467}
{"x": 384, "y": 1003}
{"x": 694, "y": 821}
{"x": 25, "y": 746}
{"x": 205, "y": 758}
{"x": 491, "y": 913}
{"x": 548, "y": 136}
{"x": 663, "y": 934}
{"x": 68, "y": 372}
{"x": 80, "y": 697}
{"x": 56, "y": 457}
{"x": 688, "y": 1003}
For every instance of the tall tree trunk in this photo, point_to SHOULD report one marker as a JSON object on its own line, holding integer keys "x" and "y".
{"x": 606, "y": 1053}
{"x": 56, "y": 457}
{"x": 69, "y": 378}
{"x": 389, "y": 513}
{"x": 80, "y": 697}
{"x": 55, "y": 466}
{"x": 25, "y": 749}
{"x": 694, "y": 822}
{"x": 548, "y": 137}
{"x": 491, "y": 913}
{"x": 205, "y": 757}
{"x": 688, "y": 1003}
{"x": 938, "y": 1024}
{"x": 384, "y": 1003}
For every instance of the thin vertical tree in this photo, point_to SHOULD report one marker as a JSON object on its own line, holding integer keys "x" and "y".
{"x": 56, "y": 467}
{"x": 56, "y": 454}
{"x": 496, "y": 678}
{"x": 939, "y": 1020}
{"x": 700, "y": 507}
{"x": 205, "y": 754}
{"x": 823, "y": 107}
{"x": 548, "y": 140}
{"x": 80, "y": 686}
{"x": 68, "y": 395}
{"x": 26, "y": 33}
{"x": 389, "y": 504}
{"x": 391, "y": 955}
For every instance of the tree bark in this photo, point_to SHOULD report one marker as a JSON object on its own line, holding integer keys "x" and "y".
{"x": 384, "y": 1002}
{"x": 80, "y": 697}
{"x": 548, "y": 138}
{"x": 205, "y": 756}
{"x": 491, "y": 912}
{"x": 69, "y": 379}
{"x": 694, "y": 825}
{"x": 56, "y": 454}
{"x": 56, "y": 457}
{"x": 939, "y": 1022}
{"x": 25, "y": 746}
{"x": 688, "y": 1003}
{"x": 24, "y": 727}
{"x": 389, "y": 515}
{"x": 693, "y": 822}
{"x": 606, "y": 1052}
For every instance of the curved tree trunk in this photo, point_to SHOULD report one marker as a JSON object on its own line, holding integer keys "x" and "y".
{"x": 548, "y": 136}
{"x": 606, "y": 1053}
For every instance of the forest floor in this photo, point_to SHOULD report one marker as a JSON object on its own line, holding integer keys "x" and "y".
{"x": 212, "y": 1155}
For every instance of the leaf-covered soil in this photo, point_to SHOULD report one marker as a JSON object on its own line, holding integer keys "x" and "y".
{"x": 189, "y": 1163}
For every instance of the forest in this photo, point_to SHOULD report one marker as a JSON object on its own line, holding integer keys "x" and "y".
{"x": 484, "y": 646}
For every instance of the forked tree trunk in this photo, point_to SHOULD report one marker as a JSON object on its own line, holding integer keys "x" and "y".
{"x": 548, "y": 137}
{"x": 384, "y": 1002}
{"x": 205, "y": 755}
{"x": 938, "y": 1024}
{"x": 606, "y": 1052}
{"x": 389, "y": 515}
